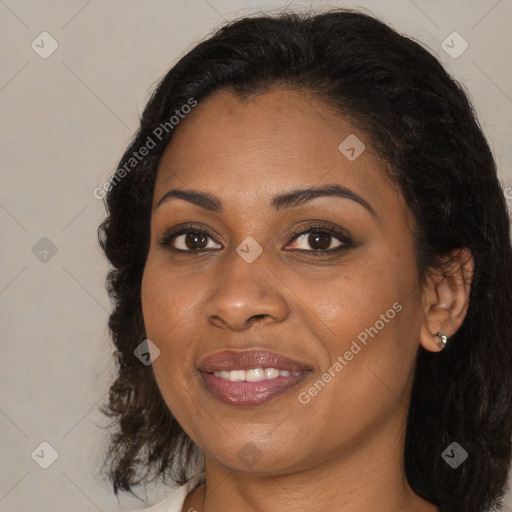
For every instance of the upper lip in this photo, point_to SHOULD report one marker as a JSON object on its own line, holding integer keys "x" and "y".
{"x": 247, "y": 360}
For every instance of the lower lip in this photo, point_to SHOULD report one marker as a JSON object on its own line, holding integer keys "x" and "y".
{"x": 250, "y": 393}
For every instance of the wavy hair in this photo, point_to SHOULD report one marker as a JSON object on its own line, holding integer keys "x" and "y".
{"x": 421, "y": 123}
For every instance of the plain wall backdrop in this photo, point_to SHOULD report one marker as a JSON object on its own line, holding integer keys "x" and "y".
{"x": 67, "y": 114}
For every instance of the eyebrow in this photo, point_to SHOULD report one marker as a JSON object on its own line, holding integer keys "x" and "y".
{"x": 279, "y": 202}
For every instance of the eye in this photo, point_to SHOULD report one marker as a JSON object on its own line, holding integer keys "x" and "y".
{"x": 318, "y": 240}
{"x": 192, "y": 240}
{"x": 322, "y": 240}
{"x": 188, "y": 239}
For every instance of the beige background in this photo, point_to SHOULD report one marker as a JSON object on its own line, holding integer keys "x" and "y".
{"x": 65, "y": 121}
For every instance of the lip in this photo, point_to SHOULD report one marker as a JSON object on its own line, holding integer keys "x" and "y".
{"x": 247, "y": 360}
{"x": 250, "y": 393}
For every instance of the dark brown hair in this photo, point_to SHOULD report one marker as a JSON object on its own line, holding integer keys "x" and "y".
{"x": 420, "y": 121}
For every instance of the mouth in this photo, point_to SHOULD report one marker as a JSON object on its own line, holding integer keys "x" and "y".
{"x": 250, "y": 378}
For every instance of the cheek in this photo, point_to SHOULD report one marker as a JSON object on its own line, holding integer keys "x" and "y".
{"x": 165, "y": 299}
{"x": 167, "y": 308}
{"x": 353, "y": 299}
{"x": 368, "y": 317}
{"x": 368, "y": 374}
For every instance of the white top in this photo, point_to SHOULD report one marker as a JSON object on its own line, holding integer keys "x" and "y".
{"x": 174, "y": 502}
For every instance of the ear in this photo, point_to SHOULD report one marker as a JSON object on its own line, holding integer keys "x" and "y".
{"x": 446, "y": 298}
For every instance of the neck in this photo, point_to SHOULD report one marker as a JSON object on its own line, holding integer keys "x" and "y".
{"x": 368, "y": 475}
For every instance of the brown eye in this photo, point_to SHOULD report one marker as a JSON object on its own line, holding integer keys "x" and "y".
{"x": 316, "y": 241}
{"x": 192, "y": 241}
{"x": 188, "y": 239}
{"x": 195, "y": 240}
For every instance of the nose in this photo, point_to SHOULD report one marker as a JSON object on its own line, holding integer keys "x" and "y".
{"x": 244, "y": 294}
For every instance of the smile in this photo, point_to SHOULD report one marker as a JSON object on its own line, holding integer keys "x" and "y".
{"x": 253, "y": 375}
{"x": 250, "y": 377}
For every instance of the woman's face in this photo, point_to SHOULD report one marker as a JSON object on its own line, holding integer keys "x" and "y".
{"x": 239, "y": 280}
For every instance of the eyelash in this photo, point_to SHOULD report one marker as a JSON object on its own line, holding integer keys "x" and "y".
{"x": 341, "y": 236}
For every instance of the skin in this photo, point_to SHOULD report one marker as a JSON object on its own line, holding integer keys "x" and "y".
{"x": 344, "y": 448}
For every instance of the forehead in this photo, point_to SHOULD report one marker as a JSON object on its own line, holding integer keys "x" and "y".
{"x": 274, "y": 141}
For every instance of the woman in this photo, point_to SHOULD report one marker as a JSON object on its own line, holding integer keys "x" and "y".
{"x": 310, "y": 244}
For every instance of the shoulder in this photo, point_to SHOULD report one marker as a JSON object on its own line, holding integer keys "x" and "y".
{"x": 174, "y": 502}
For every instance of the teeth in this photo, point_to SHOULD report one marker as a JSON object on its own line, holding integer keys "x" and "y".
{"x": 253, "y": 375}
{"x": 271, "y": 373}
{"x": 237, "y": 375}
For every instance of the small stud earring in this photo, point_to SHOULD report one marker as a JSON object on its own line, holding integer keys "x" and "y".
{"x": 442, "y": 340}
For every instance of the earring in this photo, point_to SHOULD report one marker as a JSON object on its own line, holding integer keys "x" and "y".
{"x": 442, "y": 340}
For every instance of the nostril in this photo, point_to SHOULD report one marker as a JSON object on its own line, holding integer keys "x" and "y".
{"x": 256, "y": 317}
